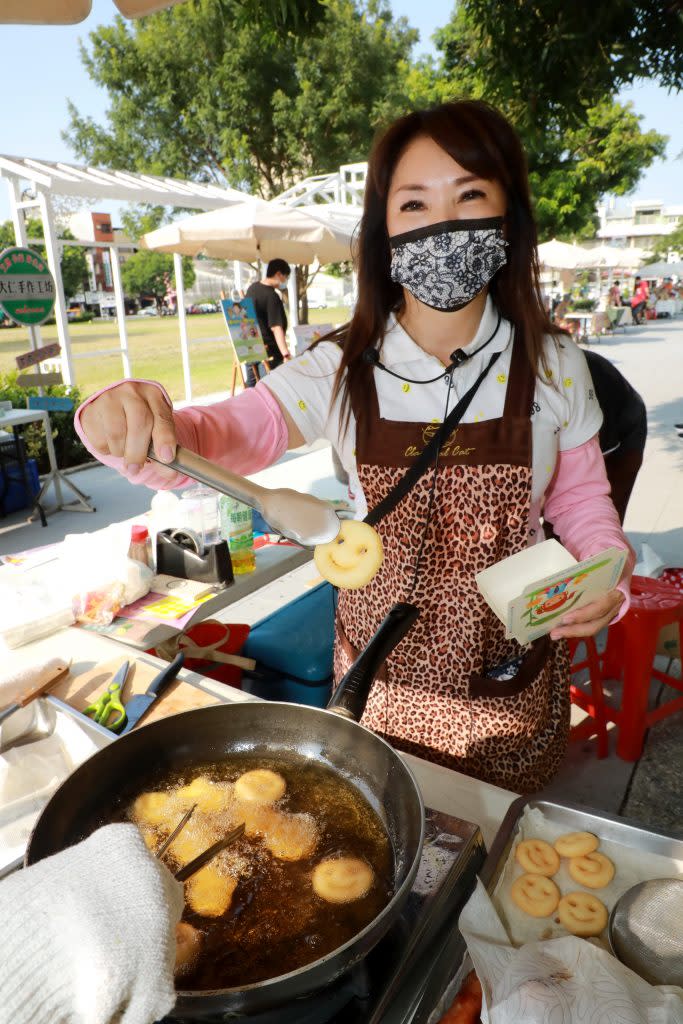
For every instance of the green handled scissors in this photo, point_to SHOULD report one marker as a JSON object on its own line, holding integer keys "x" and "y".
{"x": 109, "y": 702}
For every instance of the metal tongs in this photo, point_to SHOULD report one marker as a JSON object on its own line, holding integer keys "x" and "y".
{"x": 299, "y": 517}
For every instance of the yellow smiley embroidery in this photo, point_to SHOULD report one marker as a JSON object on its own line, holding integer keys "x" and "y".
{"x": 302, "y": 405}
{"x": 303, "y": 362}
{"x": 354, "y": 453}
{"x": 567, "y": 382}
{"x": 566, "y": 423}
{"x": 479, "y": 416}
{"x": 406, "y": 388}
{"x": 549, "y": 374}
{"x": 501, "y": 378}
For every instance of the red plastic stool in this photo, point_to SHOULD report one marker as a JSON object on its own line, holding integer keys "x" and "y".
{"x": 630, "y": 654}
{"x": 593, "y": 705}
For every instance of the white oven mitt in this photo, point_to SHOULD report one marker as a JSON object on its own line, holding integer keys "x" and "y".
{"x": 88, "y": 936}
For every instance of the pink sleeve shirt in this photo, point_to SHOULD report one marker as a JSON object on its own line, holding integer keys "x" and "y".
{"x": 244, "y": 434}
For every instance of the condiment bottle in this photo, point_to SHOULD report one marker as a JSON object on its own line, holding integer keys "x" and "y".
{"x": 237, "y": 529}
{"x": 140, "y": 549}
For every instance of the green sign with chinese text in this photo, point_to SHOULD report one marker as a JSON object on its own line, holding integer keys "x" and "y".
{"x": 27, "y": 288}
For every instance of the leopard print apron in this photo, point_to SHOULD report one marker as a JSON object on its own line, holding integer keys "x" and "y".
{"x": 433, "y": 697}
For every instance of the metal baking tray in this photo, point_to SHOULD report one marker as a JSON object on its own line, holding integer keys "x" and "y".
{"x": 576, "y": 818}
{"x": 37, "y": 721}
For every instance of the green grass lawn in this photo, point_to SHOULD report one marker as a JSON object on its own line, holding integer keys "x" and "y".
{"x": 154, "y": 346}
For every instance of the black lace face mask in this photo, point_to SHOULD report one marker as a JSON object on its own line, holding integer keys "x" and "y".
{"x": 446, "y": 265}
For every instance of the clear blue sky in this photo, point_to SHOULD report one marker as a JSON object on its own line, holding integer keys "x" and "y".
{"x": 45, "y": 61}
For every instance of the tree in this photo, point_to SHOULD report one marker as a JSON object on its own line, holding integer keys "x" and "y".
{"x": 148, "y": 273}
{"x": 580, "y": 142}
{"x": 548, "y": 60}
{"x": 672, "y": 242}
{"x": 73, "y": 263}
{"x": 199, "y": 91}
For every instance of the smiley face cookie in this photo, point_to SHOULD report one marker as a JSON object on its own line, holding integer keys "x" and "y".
{"x": 537, "y": 857}
{"x": 352, "y": 559}
{"x": 582, "y": 913}
{"x": 576, "y": 844}
{"x": 536, "y": 895}
{"x": 595, "y": 871}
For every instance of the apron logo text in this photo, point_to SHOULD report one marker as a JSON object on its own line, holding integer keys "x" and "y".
{"x": 450, "y": 449}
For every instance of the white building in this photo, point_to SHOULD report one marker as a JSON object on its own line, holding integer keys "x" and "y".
{"x": 642, "y": 225}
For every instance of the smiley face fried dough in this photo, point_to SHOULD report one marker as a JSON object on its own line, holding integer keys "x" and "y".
{"x": 537, "y": 857}
{"x": 342, "y": 879}
{"x": 536, "y": 895}
{"x": 352, "y": 559}
{"x": 188, "y": 945}
{"x": 152, "y": 809}
{"x": 290, "y": 836}
{"x": 582, "y": 913}
{"x": 595, "y": 871}
{"x": 260, "y": 786}
{"x": 209, "y": 893}
{"x": 576, "y": 844}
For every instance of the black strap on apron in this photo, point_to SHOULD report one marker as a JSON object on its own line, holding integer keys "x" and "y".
{"x": 428, "y": 453}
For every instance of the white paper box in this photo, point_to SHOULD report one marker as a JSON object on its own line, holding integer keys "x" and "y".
{"x": 507, "y": 580}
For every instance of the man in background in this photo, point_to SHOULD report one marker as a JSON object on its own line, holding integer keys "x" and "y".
{"x": 271, "y": 314}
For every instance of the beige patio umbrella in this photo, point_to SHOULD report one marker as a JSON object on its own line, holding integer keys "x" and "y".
{"x": 70, "y": 12}
{"x": 562, "y": 256}
{"x": 256, "y": 230}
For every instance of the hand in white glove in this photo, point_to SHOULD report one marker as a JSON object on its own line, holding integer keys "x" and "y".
{"x": 88, "y": 936}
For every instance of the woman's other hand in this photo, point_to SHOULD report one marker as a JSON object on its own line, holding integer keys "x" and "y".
{"x": 125, "y": 420}
{"x": 589, "y": 620}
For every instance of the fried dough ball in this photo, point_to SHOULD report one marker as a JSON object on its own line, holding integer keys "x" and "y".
{"x": 152, "y": 809}
{"x": 342, "y": 879}
{"x": 291, "y": 836}
{"x": 188, "y": 942}
{"x": 260, "y": 786}
{"x": 209, "y": 893}
{"x": 208, "y": 796}
{"x": 258, "y": 819}
{"x": 352, "y": 559}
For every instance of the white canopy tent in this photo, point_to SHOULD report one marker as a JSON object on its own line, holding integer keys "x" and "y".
{"x": 256, "y": 230}
{"x": 662, "y": 269}
{"x": 33, "y": 184}
{"x": 260, "y": 230}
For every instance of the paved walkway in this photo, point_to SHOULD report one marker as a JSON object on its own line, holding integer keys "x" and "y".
{"x": 651, "y": 357}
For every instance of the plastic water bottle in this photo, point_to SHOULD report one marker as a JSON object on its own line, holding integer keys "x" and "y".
{"x": 199, "y": 510}
{"x": 237, "y": 529}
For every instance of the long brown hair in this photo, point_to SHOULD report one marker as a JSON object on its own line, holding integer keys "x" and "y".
{"x": 482, "y": 141}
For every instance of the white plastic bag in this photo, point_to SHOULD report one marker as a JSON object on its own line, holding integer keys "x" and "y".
{"x": 104, "y": 578}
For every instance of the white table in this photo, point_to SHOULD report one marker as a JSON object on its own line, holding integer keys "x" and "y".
{"x": 20, "y": 417}
{"x": 666, "y": 306}
{"x": 584, "y": 320}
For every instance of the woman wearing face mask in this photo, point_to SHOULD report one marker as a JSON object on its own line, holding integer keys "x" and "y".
{"x": 449, "y": 316}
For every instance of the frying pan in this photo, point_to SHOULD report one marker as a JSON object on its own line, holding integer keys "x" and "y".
{"x": 331, "y": 737}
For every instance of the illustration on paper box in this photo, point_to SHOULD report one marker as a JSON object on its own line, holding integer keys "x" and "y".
{"x": 554, "y": 600}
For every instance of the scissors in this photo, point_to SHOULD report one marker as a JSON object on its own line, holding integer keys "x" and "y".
{"x": 110, "y": 702}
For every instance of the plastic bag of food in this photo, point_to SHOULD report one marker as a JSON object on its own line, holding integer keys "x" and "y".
{"x": 104, "y": 578}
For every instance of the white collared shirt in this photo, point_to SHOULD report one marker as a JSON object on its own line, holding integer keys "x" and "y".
{"x": 566, "y": 413}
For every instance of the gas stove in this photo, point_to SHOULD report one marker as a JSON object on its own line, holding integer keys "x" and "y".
{"x": 400, "y": 980}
